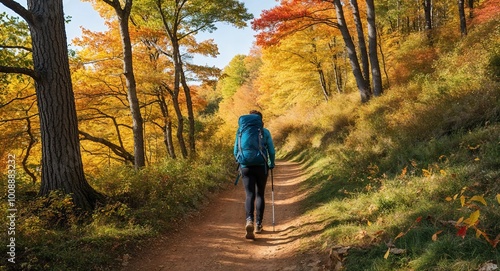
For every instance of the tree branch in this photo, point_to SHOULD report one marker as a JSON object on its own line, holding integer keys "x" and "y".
{"x": 118, "y": 150}
{"x": 31, "y": 73}
{"x": 20, "y": 10}
{"x": 15, "y": 47}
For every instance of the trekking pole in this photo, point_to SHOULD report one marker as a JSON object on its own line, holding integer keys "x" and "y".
{"x": 272, "y": 194}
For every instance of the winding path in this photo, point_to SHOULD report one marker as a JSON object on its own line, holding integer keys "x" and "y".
{"x": 214, "y": 238}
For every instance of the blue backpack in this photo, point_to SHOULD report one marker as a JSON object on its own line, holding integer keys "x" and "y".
{"x": 251, "y": 149}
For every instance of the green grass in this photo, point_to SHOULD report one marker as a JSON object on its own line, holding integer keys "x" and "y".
{"x": 402, "y": 164}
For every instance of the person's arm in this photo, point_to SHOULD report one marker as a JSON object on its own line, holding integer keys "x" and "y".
{"x": 235, "y": 148}
{"x": 270, "y": 148}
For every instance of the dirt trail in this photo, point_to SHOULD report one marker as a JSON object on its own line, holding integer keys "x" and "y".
{"x": 214, "y": 239}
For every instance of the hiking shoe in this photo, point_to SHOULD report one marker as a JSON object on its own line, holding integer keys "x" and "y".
{"x": 258, "y": 229}
{"x": 249, "y": 228}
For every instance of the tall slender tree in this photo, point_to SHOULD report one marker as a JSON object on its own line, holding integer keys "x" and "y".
{"x": 372, "y": 48}
{"x": 180, "y": 20}
{"x": 123, "y": 14}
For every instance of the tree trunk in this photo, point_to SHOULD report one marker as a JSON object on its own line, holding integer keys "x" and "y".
{"x": 372, "y": 48}
{"x": 463, "y": 21}
{"x": 189, "y": 105}
{"x": 428, "y": 14}
{"x": 322, "y": 81}
{"x": 128, "y": 71}
{"x": 180, "y": 117}
{"x": 471, "y": 8}
{"x": 62, "y": 167}
{"x": 363, "y": 88}
{"x": 167, "y": 128}
{"x": 336, "y": 69}
{"x": 361, "y": 42}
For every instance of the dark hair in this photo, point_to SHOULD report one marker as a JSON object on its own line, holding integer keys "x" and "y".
{"x": 256, "y": 113}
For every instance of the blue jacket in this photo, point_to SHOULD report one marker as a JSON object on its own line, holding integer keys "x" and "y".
{"x": 268, "y": 143}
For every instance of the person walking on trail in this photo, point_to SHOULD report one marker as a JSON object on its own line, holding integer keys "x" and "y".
{"x": 255, "y": 153}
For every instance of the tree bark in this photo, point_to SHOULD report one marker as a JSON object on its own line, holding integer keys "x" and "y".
{"x": 167, "y": 128}
{"x": 189, "y": 105}
{"x": 428, "y": 14}
{"x": 372, "y": 48}
{"x": 471, "y": 8}
{"x": 463, "y": 21}
{"x": 365, "y": 66}
{"x": 363, "y": 88}
{"x": 62, "y": 167}
{"x": 128, "y": 71}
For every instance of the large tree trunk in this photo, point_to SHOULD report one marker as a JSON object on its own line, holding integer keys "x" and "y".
{"x": 62, "y": 167}
{"x": 372, "y": 48}
{"x": 363, "y": 88}
{"x": 128, "y": 71}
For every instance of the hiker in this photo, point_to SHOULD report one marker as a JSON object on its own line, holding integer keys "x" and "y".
{"x": 254, "y": 172}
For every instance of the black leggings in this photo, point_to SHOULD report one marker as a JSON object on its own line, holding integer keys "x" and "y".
{"x": 254, "y": 179}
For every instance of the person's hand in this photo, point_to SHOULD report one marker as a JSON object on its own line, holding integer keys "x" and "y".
{"x": 271, "y": 166}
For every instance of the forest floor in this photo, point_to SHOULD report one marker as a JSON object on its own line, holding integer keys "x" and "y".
{"x": 214, "y": 238}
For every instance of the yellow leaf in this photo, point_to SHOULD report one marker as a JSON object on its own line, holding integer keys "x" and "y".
{"x": 462, "y": 200}
{"x": 474, "y": 148}
{"x": 498, "y": 198}
{"x": 369, "y": 223}
{"x": 449, "y": 199}
{"x": 473, "y": 218}
{"x": 435, "y": 235}
{"x": 460, "y": 220}
{"x": 479, "y": 199}
{"x": 455, "y": 197}
{"x": 426, "y": 172}
{"x": 476, "y": 159}
{"x": 478, "y": 233}
{"x": 386, "y": 255}
{"x": 443, "y": 173}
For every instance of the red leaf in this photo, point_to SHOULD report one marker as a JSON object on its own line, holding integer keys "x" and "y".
{"x": 462, "y": 231}
{"x": 418, "y": 219}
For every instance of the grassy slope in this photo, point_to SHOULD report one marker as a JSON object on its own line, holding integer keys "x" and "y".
{"x": 406, "y": 166}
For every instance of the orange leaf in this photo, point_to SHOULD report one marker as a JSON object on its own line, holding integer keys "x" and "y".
{"x": 401, "y": 234}
{"x": 449, "y": 199}
{"x": 403, "y": 172}
{"x": 462, "y": 232}
{"x": 435, "y": 235}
